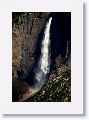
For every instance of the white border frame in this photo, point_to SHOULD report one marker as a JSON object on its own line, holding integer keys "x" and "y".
{"x": 76, "y": 104}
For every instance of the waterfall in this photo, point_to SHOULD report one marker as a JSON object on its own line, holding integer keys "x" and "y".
{"x": 44, "y": 61}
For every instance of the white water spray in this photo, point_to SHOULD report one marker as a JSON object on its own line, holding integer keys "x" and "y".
{"x": 44, "y": 62}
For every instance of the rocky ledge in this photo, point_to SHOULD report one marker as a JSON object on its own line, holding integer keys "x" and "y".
{"x": 55, "y": 90}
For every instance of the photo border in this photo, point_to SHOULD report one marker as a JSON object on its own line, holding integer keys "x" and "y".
{"x": 76, "y": 104}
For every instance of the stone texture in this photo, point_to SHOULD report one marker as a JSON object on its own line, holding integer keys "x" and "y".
{"x": 25, "y": 31}
{"x": 55, "y": 90}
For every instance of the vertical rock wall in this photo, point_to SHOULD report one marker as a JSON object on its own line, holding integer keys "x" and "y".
{"x": 25, "y": 31}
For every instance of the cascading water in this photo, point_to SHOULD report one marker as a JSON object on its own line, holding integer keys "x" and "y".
{"x": 44, "y": 61}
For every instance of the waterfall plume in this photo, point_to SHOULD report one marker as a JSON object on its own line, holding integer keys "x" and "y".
{"x": 44, "y": 61}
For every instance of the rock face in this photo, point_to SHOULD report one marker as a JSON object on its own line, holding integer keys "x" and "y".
{"x": 57, "y": 89}
{"x": 27, "y": 33}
